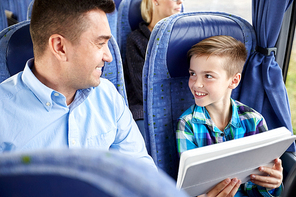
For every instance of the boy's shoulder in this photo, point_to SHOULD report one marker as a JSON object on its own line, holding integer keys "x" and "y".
{"x": 187, "y": 115}
{"x": 246, "y": 111}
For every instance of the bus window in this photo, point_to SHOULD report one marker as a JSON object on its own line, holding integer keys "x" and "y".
{"x": 241, "y": 8}
{"x": 291, "y": 84}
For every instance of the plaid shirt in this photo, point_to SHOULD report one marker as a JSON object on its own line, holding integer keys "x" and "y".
{"x": 196, "y": 129}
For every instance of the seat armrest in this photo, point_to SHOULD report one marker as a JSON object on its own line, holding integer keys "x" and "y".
{"x": 288, "y": 160}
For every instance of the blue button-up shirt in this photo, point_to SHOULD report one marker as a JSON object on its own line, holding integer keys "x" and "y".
{"x": 34, "y": 116}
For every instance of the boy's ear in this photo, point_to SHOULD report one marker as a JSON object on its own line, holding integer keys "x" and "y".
{"x": 57, "y": 45}
{"x": 235, "y": 81}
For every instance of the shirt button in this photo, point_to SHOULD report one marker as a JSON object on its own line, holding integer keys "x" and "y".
{"x": 73, "y": 142}
{"x": 222, "y": 134}
{"x": 48, "y": 104}
{"x": 56, "y": 94}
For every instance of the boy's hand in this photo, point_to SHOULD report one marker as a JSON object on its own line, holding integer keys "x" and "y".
{"x": 224, "y": 188}
{"x": 274, "y": 176}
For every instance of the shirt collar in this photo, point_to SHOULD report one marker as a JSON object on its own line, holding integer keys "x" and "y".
{"x": 42, "y": 92}
{"x": 201, "y": 115}
{"x": 47, "y": 95}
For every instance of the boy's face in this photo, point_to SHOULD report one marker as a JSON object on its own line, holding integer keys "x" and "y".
{"x": 209, "y": 82}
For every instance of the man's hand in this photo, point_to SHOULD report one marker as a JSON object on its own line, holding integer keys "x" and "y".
{"x": 274, "y": 176}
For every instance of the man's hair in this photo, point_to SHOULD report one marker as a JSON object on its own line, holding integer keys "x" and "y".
{"x": 63, "y": 17}
{"x": 147, "y": 10}
{"x": 223, "y": 46}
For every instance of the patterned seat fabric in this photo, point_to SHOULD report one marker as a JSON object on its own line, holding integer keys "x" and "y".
{"x": 18, "y": 8}
{"x": 123, "y": 22}
{"x": 165, "y": 75}
{"x": 3, "y": 19}
{"x": 16, "y": 39}
{"x": 80, "y": 172}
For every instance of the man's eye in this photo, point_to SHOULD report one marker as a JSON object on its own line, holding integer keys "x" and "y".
{"x": 101, "y": 44}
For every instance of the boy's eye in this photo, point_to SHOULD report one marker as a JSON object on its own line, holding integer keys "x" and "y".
{"x": 191, "y": 73}
{"x": 209, "y": 76}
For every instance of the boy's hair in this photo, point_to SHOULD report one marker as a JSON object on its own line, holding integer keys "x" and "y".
{"x": 63, "y": 17}
{"x": 147, "y": 10}
{"x": 222, "y": 46}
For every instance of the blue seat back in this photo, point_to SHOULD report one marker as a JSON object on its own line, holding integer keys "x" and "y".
{"x": 16, "y": 48}
{"x": 29, "y": 12}
{"x": 112, "y": 19}
{"x": 165, "y": 75}
{"x": 3, "y": 19}
{"x": 113, "y": 71}
{"x": 80, "y": 173}
{"x": 17, "y": 7}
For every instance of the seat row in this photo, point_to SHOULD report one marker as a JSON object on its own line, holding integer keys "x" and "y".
{"x": 165, "y": 74}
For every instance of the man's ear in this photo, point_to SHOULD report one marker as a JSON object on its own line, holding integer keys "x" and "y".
{"x": 57, "y": 45}
{"x": 235, "y": 81}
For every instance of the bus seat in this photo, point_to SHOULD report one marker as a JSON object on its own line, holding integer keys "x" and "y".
{"x": 18, "y": 8}
{"x": 165, "y": 75}
{"x": 16, "y": 39}
{"x": 290, "y": 183}
{"x": 129, "y": 17}
{"x": 113, "y": 71}
{"x": 126, "y": 22}
{"x": 112, "y": 19}
{"x": 3, "y": 19}
{"x": 80, "y": 172}
{"x": 29, "y": 12}
{"x": 23, "y": 9}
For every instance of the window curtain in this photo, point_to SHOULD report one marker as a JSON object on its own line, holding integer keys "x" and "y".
{"x": 263, "y": 72}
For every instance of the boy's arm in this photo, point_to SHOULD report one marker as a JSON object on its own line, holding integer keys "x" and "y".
{"x": 185, "y": 136}
{"x": 270, "y": 185}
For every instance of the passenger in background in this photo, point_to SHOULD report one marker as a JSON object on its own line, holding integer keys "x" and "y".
{"x": 216, "y": 64}
{"x": 60, "y": 99}
{"x": 152, "y": 11}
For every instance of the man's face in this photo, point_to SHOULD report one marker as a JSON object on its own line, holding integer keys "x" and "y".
{"x": 88, "y": 56}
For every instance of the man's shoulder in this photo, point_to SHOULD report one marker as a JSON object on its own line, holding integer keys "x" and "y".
{"x": 10, "y": 86}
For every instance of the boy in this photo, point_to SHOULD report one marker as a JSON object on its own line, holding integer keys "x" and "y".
{"x": 215, "y": 70}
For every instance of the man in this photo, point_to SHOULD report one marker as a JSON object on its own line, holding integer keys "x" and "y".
{"x": 59, "y": 100}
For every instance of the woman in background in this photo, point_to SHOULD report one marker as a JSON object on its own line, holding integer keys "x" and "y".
{"x": 152, "y": 11}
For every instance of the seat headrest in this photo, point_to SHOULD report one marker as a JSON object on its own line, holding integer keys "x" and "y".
{"x": 189, "y": 30}
{"x": 19, "y": 50}
{"x": 117, "y": 2}
{"x": 135, "y": 16}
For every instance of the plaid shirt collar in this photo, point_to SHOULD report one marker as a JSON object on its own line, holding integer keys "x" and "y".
{"x": 201, "y": 116}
